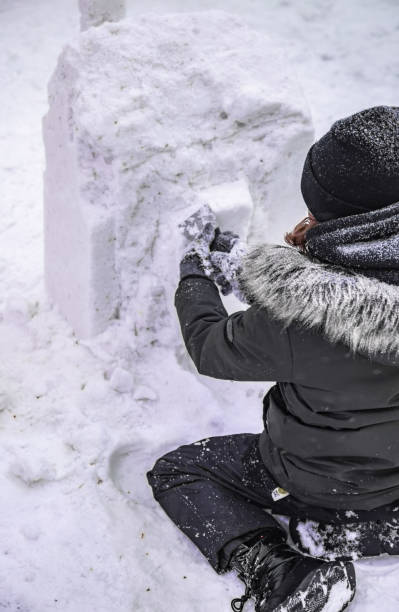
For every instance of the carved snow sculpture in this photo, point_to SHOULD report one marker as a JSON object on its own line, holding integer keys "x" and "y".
{"x": 148, "y": 119}
{"x": 97, "y": 12}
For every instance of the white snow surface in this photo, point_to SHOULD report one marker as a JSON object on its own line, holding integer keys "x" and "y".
{"x": 79, "y": 530}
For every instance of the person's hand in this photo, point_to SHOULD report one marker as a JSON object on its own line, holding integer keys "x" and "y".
{"x": 223, "y": 241}
{"x": 219, "y": 278}
{"x": 200, "y": 227}
{"x": 199, "y": 231}
{"x": 225, "y": 256}
{"x": 192, "y": 264}
{"x": 222, "y": 262}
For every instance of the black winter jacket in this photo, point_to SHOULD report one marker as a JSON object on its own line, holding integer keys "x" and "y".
{"x": 329, "y": 338}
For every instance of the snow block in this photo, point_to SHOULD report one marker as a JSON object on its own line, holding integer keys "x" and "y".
{"x": 232, "y": 205}
{"x": 146, "y": 119}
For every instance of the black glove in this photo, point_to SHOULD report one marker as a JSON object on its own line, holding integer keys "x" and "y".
{"x": 223, "y": 241}
{"x": 192, "y": 264}
{"x": 220, "y": 279}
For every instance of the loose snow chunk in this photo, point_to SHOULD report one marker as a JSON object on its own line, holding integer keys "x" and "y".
{"x": 144, "y": 117}
{"x": 145, "y": 393}
{"x": 121, "y": 380}
{"x": 40, "y": 459}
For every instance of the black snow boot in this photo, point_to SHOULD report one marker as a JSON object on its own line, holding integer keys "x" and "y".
{"x": 282, "y": 580}
{"x": 346, "y": 540}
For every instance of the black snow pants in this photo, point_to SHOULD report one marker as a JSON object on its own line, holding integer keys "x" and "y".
{"x": 218, "y": 491}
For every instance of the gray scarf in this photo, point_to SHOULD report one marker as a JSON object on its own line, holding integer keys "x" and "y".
{"x": 367, "y": 243}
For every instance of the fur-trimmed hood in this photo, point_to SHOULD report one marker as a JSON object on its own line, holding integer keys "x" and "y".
{"x": 344, "y": 305}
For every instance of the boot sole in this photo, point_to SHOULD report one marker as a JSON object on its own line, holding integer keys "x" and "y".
{"x": 328, "y": 589}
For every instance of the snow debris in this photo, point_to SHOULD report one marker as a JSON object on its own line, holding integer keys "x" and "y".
{"x": 121, "y": 380}
{"x": 338, "y": 597}
{"x": 310, "y": 538}
{"x": 31, "y": 531}
{"x": 145, "y": 393}
{"x": 41, "y": 459}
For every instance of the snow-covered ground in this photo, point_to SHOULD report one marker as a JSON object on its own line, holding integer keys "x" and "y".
{"x": 79, "y": 531}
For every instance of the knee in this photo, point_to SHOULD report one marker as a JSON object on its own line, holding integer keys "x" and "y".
{"x": 156, "y": 477}
{"x": 165, "y": 471}
{"x": 173, "y": 469}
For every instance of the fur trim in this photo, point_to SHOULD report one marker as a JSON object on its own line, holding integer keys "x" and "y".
{"x": 344, "y": 305}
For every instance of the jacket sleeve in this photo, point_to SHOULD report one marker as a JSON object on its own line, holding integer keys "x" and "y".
{"x": 246, "y": 345}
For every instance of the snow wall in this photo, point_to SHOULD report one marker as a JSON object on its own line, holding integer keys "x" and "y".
{"x": 147, "y": 119}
